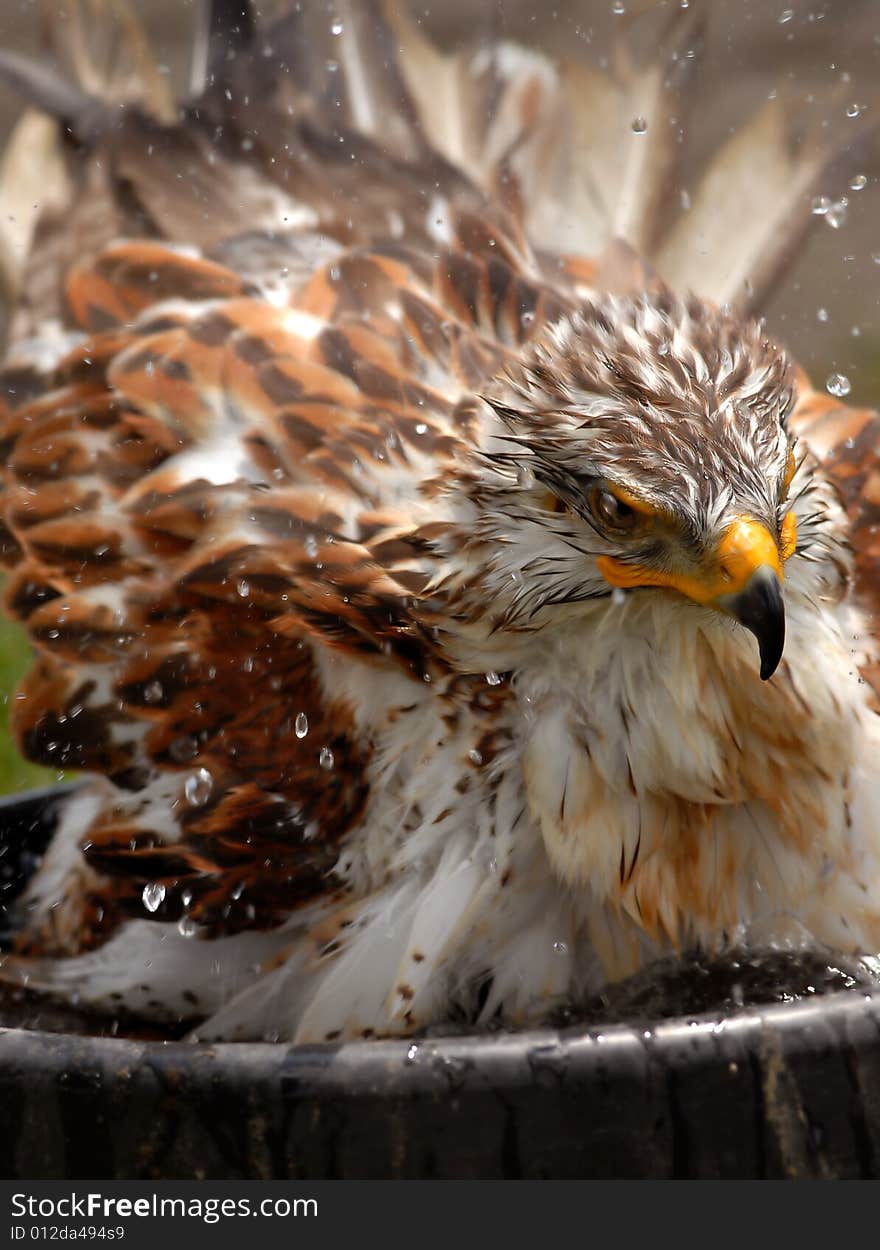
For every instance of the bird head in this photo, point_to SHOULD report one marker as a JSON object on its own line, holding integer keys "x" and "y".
{"x": 641, "y": 446}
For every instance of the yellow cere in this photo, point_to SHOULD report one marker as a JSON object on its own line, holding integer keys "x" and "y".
{"x": 746, "y": 546}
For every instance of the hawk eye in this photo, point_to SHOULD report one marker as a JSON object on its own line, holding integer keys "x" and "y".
{"x": 611, "y": 511}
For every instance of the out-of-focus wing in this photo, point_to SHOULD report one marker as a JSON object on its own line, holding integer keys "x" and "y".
{"x": 847, "y": 443}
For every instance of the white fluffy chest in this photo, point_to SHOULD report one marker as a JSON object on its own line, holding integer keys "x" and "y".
{"x": 668, "y": 779}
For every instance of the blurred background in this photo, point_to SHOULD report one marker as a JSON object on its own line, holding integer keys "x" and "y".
{"x": 822, "y": 55}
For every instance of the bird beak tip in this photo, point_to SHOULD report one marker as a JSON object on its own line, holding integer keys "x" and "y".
{"x": 759, "y": 606}
{"x": 768, "y": 668}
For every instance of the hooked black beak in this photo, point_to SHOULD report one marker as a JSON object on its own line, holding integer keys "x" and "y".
{"x": 760, "y": 607}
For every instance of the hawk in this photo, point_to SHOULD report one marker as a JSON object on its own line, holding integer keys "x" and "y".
{"x": 457, "y": 596}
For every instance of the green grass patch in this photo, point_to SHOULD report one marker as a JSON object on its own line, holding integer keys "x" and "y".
{"x": 15, "y": 658}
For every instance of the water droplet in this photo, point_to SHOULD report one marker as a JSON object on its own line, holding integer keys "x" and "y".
{"x": 183, "y": 749}
{"x": 785, "y": 16}
{"x": 527, "y": 318}
{"x": 186, "y": 897}
{"x": 618, "y": 596}
{"x": 187, "y": 927}
{"x": 331, "y": 66}
{"x": 153, "y": 895}
{"x": 412, "y": 1053}
{"x": 336, "y": 27}
{"x": 835, "y": 216}
{"x": 325, "y": 759}
{"x": 492, "y": 678}
{"x": 820, "y": 205}
{"x": 821, "y": 314}
{"x": 838, "y": 384}
{"x": 475, "y": 756}
{"x": 560, "y": 948}
{"x": 858, "y": 183}
{"x": 311, "y": 546}
{"x": 198, "y": 787}
{"x": 301, "y": 725}
{"x": 525, "y": 477}
{"x": 153, "y": 692}
{"x": 243, "y": 587}
{"x": 639, "y": 125}
{"x": 854, "y": 110}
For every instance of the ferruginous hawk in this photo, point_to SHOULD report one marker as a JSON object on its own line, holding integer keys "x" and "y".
{"x": 457, "y": 609}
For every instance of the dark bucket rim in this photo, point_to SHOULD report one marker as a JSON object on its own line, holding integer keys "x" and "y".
{"x": 414, "y": 1065}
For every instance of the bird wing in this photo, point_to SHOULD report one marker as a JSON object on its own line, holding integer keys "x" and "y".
{"x": 846, "y": 441}
{"x": 202, "y": 488}
{"x": 218, "y": 457}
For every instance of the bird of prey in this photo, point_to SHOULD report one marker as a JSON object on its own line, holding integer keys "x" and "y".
{"x": 456, "y": 595}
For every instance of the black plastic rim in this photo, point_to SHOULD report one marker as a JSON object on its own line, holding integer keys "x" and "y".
{"x": 791, "y": 1091}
